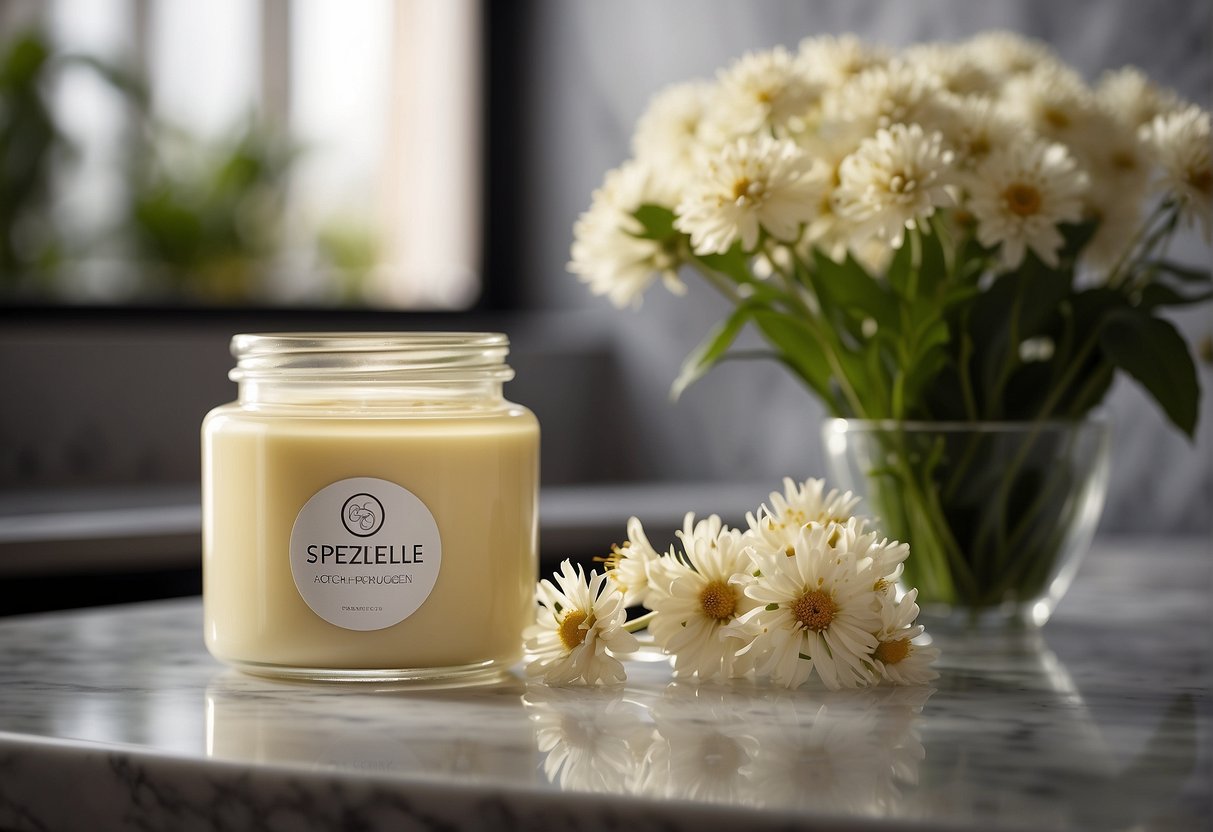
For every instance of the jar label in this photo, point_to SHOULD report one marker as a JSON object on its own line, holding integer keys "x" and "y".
{"x": 365, "y": 553}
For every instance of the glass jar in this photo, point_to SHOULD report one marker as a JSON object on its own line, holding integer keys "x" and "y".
{"x": 369, "y": 508}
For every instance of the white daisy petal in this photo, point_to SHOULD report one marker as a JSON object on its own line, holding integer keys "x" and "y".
{"x": 1181, "y": 143}
{"x": 577, "y": 621}
{"x": 894, "y": 181}
{"x": 1020, "y": 194}
{"x": 690, "y": 619}
{"x": 751, "y": 185}
{"x": 607, "y": 255}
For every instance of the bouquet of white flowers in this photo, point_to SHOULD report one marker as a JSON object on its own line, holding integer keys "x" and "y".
{"x": 956, "y": 233}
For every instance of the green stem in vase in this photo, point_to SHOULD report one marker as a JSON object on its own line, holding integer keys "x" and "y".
{"x": 813, "y": 321}
{"x": 935, "y": 550}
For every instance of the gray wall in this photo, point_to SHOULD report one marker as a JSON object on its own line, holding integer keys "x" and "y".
{"x": 594, "y": 69}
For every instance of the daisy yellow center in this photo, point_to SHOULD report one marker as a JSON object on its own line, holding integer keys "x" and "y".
{"x": 616, "y": 556}
{"x": 902, "y": 183}
{"x": 746, "y": 191}
{"x": 815, "y": 610}
{"x": 717, "y": 600}
{"x": 571, "y": 633}
{"x": 892, "y": 652}
{"x": 1057, "y": 118}
{"x": 979, "y": 147}
{"x": 1023, "y": 200}
{"x": 1124, "y": 160}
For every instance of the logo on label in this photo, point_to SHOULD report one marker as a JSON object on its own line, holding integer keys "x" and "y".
{"x": 362, "y": 515}
{"x": 375, "y": 567}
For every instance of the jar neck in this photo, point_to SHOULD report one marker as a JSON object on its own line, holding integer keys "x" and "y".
{"x": 359, "y": 372}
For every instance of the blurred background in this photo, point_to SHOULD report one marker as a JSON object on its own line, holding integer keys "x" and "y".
{"x": 173, "y": 172}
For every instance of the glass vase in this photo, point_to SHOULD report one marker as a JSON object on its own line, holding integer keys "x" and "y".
{"x": 997, "y": 514}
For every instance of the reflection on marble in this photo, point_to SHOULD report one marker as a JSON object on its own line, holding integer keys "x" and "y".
{"x": 745, "y": 744}
{"x": 1103, "y": 723}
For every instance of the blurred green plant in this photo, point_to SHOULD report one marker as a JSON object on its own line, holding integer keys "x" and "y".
{"x": 205, "y": 219}
{"x": 202, "y": 219}
{"x": 32, "y": 147}
{"x": 349, "y": 250}
{"x": 29, "y": 141}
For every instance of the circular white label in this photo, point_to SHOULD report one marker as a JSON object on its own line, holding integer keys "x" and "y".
{"x": 365, "y": 553}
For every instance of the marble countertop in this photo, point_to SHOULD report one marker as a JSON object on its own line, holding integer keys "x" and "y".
{"x": 117, "y": 718}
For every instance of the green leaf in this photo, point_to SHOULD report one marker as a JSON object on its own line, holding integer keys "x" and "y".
{"x": 1019, "y": 305}
{"x": 898, "y": 272}
{"x": 1153, "y": 352}
{"x": 1184, "y": 273}
{"x": 848, "y": 286}
{"x": 733, "y": 263}
{"x": 1076, "y": 236}
{"x": 933, "y": 268}
{"x": 1154, "y": 295}
{"x": 798, "y": 349}
{"x": 710, "y": 350}
{"x": 658, "y": 221}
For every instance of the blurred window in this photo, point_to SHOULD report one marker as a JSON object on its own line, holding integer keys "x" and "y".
{"x": 244, "y": 152}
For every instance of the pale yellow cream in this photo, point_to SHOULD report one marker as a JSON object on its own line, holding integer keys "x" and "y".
{"x": 477, "y": 474}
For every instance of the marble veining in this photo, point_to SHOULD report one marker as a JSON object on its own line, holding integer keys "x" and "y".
{"x": 117, "y": 718}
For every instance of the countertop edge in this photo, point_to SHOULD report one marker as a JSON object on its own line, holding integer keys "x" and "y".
{"x": 119, "y": 786}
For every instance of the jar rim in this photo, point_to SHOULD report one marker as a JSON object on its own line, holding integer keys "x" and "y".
{"x": 260, "y": 343}
{"x": 386, "y": 357}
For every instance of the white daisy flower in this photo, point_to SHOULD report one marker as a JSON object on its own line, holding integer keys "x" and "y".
{"x": 701, "y": 599}
{"x": 1113, "y": 237}
{"x": 607, "y": 255}
{"x": 835, "y": 60}
{"x": 776, "y": 526}
{"x": 708, "y": 529}
{"x": 817, "y": 612}
{"x": 1119, "y": 163}
{"x": 576, "y": 625}
{"x": 977, "y": 128}
{"x": 1118, "y": 166}
{"x": 634, "y": 565}
{"x": 763, "y": 92}
{"x": 894, "y": 181}
{"x": 897, "y": 658}
{"x": 880, "y": 559}
{"x": 1131, "y": 97}
{"x": 1180, "y": 142}
{"x": 1004, "y": 53}
{"x": 959, "y": 71}
{"x": 1052, "y": 100}
{"x": 753, "y": 185}
{"x": 1019, "y": 195}
{"x": 883, "y": 96}
{"x": 669, "y": 139}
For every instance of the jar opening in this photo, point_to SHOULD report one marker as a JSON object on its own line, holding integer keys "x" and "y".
{"x": 371, "y": 357}
{"x": 380, "y": 371}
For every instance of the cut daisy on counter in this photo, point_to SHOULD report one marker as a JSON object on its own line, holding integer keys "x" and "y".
{"x": 808, "y": 591}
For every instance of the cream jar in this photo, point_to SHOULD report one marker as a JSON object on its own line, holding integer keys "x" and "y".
{"x": 369, "y": 508}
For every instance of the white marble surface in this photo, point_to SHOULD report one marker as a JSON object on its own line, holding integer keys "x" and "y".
{"x": 117, "y": 718}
